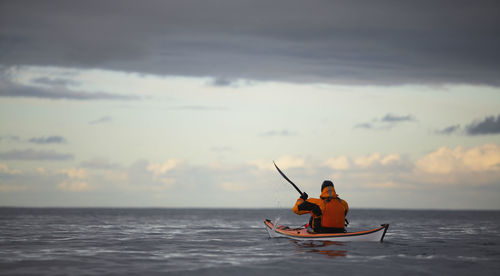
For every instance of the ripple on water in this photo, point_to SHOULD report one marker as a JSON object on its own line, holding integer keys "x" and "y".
{"x": 128, "y": 241}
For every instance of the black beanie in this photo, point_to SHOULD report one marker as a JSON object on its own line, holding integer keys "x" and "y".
{"x": 326, "y": 183}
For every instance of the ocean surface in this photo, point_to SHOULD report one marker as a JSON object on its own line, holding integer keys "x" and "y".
{"x": 96, "y": 241}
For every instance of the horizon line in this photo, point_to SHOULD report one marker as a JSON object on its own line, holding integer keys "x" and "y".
{"x": 232, "y": 207}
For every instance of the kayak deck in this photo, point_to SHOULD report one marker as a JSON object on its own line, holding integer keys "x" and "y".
{"x": 376, "y": 234}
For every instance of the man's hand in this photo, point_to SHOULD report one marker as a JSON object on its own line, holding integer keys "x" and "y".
{"x": 304, "y": 196}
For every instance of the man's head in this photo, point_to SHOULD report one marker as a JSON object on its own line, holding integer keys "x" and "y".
{"x": 326, "y": 183}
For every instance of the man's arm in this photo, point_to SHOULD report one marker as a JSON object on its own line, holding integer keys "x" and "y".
{"x": 296, "y": 210}
{"x": 309, "y": 207}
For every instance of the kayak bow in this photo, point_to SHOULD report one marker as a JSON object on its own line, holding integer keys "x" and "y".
{"x": 376, "y": 234}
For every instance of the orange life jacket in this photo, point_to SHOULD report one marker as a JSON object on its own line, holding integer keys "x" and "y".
{"x": 333, "y": 209}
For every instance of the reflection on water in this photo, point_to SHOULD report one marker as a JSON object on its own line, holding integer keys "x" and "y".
{"x": 321, "y": 247}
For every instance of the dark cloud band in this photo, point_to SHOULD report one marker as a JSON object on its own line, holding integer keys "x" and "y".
{"x": 368, "y": 42}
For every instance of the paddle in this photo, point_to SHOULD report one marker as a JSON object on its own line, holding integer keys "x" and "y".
{"x": 290, "y": 181}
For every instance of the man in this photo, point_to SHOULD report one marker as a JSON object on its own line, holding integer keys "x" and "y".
{"x": 327, "y": 212}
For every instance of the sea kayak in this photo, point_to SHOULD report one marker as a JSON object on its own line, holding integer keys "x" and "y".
{"x": 301, "y": 233}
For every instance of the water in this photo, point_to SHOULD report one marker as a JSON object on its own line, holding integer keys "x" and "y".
{"x": 228, "y": 242}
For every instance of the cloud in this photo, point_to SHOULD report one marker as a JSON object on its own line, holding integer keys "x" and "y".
{"x": 17, "y": 90}
{"x": 364, "y": 125}
{"x": 461, "y": 160}
{"x": 75, "y": 186}
{"x": 98, "y": 176}
{"x": 487, "y": 126}
{"x": 367, "y": 161}
{"x": 222, "y": 82}
{"x": 387, "y": 122}
{"x": 5, "y": 170}
{"x": 161, "y": 168}
{"x": 13, "y": 138}
{"x": 146, "y": 176}
{"x": 104, "y": 119}
{"x": 48, "y": 140}
{"x": 161, "y": 171}
{"x": 199, "y": 108}
{"x": 76, "y": 180}
{"x": 449, "y": 130}
{"x": 391, "y": 118}
{"x": 228, "y": 82}
{"x": 460, "y": 167}
{"x": 100, "y": 164}
{"x": 377, "y": 159}
{"x": 334, "y": 41}
{"x": 442, "y": 178}
{"x": 282, "y": 133}
{"x": 338, "y": 163}
{"x": 16, "y": 181}
{"x": 34, "y": 155}
{"x": 115, "y": 176}
{"x": 490, "y": 125}
{"x": 288, "y": 161}
{"x": 55, "y": 81}
{"x": 55, "y": 139}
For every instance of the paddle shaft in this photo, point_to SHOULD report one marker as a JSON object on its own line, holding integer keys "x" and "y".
{"x": 289, "y": 181}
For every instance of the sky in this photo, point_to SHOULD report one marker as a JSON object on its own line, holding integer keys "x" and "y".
{"x": 188, "y": 103}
